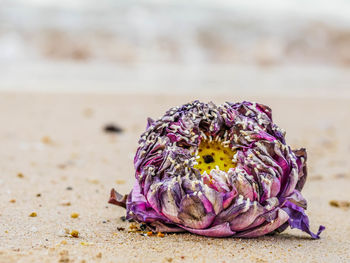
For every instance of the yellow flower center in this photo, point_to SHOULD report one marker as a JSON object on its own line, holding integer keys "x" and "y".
{"x": 212, "y": 154}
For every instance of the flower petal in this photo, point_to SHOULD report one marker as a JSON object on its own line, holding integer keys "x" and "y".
{"x": 298, "y": 219}
{"x": 266, "y": 228}
{"x": 196, "y": 211}
{"x": 222, "y": 230}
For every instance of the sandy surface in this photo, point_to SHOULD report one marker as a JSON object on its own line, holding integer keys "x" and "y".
{"x": 57, "y": 141}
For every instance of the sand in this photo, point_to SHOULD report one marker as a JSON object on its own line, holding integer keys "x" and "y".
{"x": 54, "y": 152}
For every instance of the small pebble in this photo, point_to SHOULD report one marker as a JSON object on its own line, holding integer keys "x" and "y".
{"x": 133, "y": 227}
{"x": 20, "y": 175}
{"x": 65, "y": 203}
{"x": 111, "y": 128}
{"x": 85, "y": 243}
{"x": 33, "y": 214}
{"x": 74, "y": 233}
{"x": 74, "y": 215}
{"x": 340, "y": 204}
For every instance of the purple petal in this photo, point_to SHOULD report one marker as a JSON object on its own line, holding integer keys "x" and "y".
{"x": 298, "y": 219}
{"x": 242, "y": 221}
{"x": 160, "y": 227}
{"x": 222, "y": 230}
{"x": 149, "y": 123}
{"x": 196, "y": 211}
{"x": 282, "y": 217}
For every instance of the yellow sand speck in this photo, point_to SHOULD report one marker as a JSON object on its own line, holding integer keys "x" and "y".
{"x": 33, "y": 214}
{"x": 74, "y": 233}
{"x": 74, "y": 215}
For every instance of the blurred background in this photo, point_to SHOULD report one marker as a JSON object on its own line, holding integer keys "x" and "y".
{"x": 270, "y": 47}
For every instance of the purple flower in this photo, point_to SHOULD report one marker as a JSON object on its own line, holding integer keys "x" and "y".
{"x": 217, "y": 171}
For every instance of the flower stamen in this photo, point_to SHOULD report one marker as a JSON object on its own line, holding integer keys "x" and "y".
{"x": 212, "y": 154}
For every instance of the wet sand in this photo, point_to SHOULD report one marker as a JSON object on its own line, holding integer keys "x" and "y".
{"x": 57, "y": 160}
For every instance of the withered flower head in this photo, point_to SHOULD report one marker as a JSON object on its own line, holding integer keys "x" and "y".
{"x": 217, "y": 171}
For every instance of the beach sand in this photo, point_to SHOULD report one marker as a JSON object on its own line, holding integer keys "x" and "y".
{"x": 57, "y": 160}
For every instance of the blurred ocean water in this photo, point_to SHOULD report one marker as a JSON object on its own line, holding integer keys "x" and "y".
{"x": 149, "y": 45}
